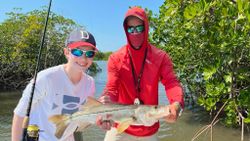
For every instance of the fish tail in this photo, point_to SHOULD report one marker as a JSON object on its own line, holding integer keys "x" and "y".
{"x": 61, "y": 124}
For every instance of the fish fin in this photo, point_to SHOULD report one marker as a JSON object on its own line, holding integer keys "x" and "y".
{"x": 74, "y": 127}
{"x": 60, "y": 122}
{"x": 90, "y": 102}
{"x": 83, "y": 126}
{"x": 123, "y": 125}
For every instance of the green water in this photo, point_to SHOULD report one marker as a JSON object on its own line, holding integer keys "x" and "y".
{"x": 184, "y": 130}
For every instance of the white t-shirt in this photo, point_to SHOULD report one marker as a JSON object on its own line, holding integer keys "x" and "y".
{"x": 54, "y": 94}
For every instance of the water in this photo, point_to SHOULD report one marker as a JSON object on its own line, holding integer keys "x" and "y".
{"x": 183, "y": 130}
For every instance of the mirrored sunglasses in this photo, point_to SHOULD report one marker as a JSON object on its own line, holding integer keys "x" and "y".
{"x": 137, "y": 29}
{"x": 78, "y": 53}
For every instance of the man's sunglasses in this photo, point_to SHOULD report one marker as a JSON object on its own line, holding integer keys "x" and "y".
{"x": 137, "y": 29}
{"x": 78, "y": 53}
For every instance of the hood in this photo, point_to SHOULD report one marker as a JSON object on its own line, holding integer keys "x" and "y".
{"x": 137, "y": 55}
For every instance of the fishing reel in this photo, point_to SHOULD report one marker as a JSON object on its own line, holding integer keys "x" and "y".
{"x": 32, "y": 133}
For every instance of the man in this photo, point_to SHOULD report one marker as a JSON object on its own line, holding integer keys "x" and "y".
{"x": 133, "y": 75}
{"x": 60, "y": 89}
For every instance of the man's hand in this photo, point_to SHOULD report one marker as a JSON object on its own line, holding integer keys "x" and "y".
{"x": 174, "y": 112}
{"x": 106, "y": 123}
{"x": 105, "y": 99}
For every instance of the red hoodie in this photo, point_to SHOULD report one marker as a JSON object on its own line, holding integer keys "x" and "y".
{"x": 158, "y": 67}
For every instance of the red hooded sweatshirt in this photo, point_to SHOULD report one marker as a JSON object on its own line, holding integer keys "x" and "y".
{"x": 157, "y": 67}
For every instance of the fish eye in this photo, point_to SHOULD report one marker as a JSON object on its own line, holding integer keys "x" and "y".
{"x": 134, "y": 118}
{"x": 155, "y": 107}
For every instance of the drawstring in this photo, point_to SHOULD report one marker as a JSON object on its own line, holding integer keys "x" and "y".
{"x": 137, "y": 80}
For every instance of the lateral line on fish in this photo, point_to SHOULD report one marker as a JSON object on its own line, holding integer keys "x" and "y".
{"x": 105, "y": 111}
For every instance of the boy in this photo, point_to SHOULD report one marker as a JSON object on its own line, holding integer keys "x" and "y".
{"x": 60, "y": 89}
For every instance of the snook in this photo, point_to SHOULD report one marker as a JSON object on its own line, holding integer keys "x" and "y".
{"x": 124, "y": 115}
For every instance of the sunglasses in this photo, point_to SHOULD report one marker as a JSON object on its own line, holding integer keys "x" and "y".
{"x": 137, "y": 29}
{"x": 78, "y": 53}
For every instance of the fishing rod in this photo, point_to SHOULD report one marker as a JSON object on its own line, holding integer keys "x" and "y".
{"x": 31, "y": 132}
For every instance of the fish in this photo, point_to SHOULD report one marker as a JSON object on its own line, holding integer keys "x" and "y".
{"x": 124, "y": 115}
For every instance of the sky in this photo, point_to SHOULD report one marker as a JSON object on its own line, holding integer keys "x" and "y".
{"x": 103, "y": 18}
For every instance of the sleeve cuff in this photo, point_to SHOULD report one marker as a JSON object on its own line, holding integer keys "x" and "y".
{"x": 180, "y": 109}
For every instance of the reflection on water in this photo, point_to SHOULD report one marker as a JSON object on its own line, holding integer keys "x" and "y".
{"x": 8, "y": 101}
{"x": 186, "y": 127}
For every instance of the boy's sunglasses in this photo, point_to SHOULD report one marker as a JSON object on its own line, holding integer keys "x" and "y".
{"x": 137, "y": 29}
{"x": 78, "y": 53}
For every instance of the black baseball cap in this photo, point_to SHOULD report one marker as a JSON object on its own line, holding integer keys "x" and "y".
{"x": 80, "y": 37}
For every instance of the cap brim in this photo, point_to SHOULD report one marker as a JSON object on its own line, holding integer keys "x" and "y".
{"x": 78, "y": 44}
